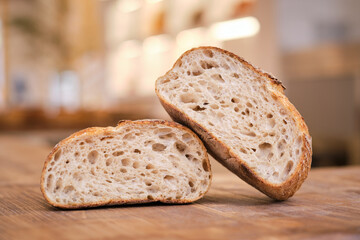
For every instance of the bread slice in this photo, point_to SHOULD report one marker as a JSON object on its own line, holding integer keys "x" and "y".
{"x": 243, "y": 117}
{"x": 135, "y": 162}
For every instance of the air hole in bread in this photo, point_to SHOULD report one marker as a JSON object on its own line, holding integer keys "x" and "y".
{"x": 253, "y": 149}
{"x": 269, "y": 115}
{"x": 137, "y": 151}
{"x": 210, "y": 123}
{"x": 148, "y": 183}
{"x": 208, "y": 53}
{"x": 68, "y": 189}
{"x": 189, "y": 98}
{"x": 167, "y": 136}
{"x": 197, "y": 73}
{"x": 149, "y": 197}
{"x": 249, "y": 105}
{"x": 49, "y": 169}
{"x": 93, "y": 156}
{"x": 58, "y": 185}
{"x": 186, "y": 137}
{"x": 247, "y": 112}
{"x": 197, "y": 108}
{"x": 67, "y": 161}
{"x": 236, "y": 109}
{"x": 275, "y": 174}
{"x": 169, "y": 177}
{"x": 235, "y": 100}
{"x": 188, "y": 73}
{"x": 284, "y": 121}
{"x": 217, "y": 77}
{"x": 208, "y": 65}
{"x": 248, "y": 133}
{"x": 194, "y": 159}
{"x": 235, "y": 75}
{"x": 297, "y": 152}
{"x": 150, "y": 166}
{"x": 136, "y": 164}
{"x": 264, "y": 150}
{"x": 251, "y": 125}
{"x": 123, "y": 170}
{"x": 243, "y": 150}
{"x": 57, "y": 155}
{"x": 205, "y": 166}
{"x": 125, "y": 162}
{"x": 76, "y": 154}
{"x": 81, "y": 143}
{"x": 288, "y": 168}
{"x": 188, "y": 156}
{"x": 191, "y": 184}
{"x": 158, "y": 147}
{"x": 108, "y": 162}
{"x": 180, "y": 146}
{"x": 49, "y": 181}
{"x": 117, "y": 153}
{"x": 106, "y": 137}
{"x": 270, "y": 123}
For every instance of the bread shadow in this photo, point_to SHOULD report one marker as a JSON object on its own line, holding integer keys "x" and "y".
{"x": 132, "y": 205}
{"x": 239, "y": 200}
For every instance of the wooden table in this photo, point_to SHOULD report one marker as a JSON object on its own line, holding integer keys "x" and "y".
{"x": 326, "y": 207}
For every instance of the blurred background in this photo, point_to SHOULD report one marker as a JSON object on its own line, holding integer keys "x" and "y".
{"x": 70, "y": 64}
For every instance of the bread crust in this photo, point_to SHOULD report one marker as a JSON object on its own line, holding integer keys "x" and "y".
{"x": 223, "y": 154}
{"x": 93, "y": 131}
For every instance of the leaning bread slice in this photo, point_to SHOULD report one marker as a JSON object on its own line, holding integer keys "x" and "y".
{"x": 135, "y": 162}
{"x": 243, "y": 117}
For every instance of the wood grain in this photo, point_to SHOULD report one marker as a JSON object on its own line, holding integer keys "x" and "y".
{"x": 326, "y": 207}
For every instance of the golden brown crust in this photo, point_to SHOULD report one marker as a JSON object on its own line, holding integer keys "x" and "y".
{"x": 90, "y": 132}
{"x": 229, "y": 159}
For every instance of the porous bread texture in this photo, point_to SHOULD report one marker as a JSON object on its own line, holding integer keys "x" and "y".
{"x": 140, "y": 161}
{"x": 242, "y": 108}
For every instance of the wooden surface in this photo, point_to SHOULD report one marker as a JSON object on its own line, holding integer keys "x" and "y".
{"x": 326, "y": 207}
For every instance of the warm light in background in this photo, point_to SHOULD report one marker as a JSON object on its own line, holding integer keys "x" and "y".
{"x": 234, "y": 29}
{"x": 127, "y": 6}
{"x": 157, "y": 44}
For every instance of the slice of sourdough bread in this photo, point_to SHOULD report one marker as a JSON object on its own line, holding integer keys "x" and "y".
{"x": 135, "y": 162}
{"x": 243, "y": 117}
